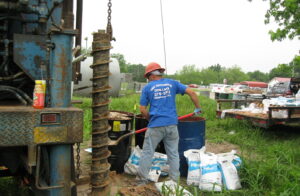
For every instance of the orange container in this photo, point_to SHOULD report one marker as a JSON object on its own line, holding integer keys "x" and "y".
{"x": 39, "y": 95}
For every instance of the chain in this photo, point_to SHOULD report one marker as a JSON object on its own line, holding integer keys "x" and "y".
{"x": 78, "y": 170}
{"x": 109, "y": 27}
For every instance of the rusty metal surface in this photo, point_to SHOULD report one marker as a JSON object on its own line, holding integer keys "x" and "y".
{"x": 18, "y": 126}
{"x": 100, "y": 127}
{"x": 30, "y": 53}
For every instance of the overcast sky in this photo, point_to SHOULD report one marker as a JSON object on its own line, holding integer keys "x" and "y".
{"x": 199, "y": 32}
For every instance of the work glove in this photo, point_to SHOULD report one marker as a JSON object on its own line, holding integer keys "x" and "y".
{"x": 197, "y": 111}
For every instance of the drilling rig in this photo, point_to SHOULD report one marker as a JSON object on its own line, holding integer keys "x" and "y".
{"x": 36, "y": 41}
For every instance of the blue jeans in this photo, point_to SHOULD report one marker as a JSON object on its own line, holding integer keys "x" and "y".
{"x": 170, "y": 137}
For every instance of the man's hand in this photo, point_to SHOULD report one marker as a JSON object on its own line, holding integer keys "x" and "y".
{"x": 144, "y": 111}
{"x": 197, "y": 111}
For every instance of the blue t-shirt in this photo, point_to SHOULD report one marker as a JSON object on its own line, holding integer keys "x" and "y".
{"x": 160, "y": 94}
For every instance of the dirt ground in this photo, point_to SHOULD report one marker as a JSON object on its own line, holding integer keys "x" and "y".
{"x": 124, "y": 184}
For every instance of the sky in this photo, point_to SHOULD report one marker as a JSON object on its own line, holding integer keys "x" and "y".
{"x": 197, "y": 32}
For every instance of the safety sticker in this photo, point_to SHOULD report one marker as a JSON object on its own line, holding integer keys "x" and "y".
{"x": 117, "y": 126}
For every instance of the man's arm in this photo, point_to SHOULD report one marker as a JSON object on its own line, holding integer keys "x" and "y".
{"x": 193, "y": 97}
{"x": 144, "y": 111}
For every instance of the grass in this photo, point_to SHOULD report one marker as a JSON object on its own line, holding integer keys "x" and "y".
{"x": 271, "y": 158}
{"x": 8, "y": 187}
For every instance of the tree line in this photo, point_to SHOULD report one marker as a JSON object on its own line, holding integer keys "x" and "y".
{"x": 190, "y": 74}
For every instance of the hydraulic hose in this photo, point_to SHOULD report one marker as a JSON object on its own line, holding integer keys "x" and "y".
{"x": 16, "y": 92}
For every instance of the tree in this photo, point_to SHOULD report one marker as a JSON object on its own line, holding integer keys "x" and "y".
{"x": 187, "y": 69}
{"x": 189, "y": 74}
{"x": 217, "y": 69}
{"x": 137, "y": 71}
{"x": 287, "y": 14}
{"x": 122, "y": 62}
{"x": 282, "y": 70}
{"x": 295, "y": 64}
{"x": 234, "y": 74}
{"x": 258, "y": 76}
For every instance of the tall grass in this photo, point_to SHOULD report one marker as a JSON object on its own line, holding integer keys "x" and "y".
{"x": 271, "y": 158}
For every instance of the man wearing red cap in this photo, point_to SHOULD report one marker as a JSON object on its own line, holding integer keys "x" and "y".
{"x": 160, "y": 94}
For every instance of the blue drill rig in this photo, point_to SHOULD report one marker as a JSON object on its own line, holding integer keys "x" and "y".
{"x": 36, "y": 41}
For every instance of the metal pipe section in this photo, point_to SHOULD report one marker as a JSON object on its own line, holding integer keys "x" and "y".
{"x": 77, "y": 74}
{"x": 60, "y": 170}
{"x": 61, "y": 76}
{"x": 100, "y": 100}
{"x": 60, "y": 96}
{"x": 61, "y": 71}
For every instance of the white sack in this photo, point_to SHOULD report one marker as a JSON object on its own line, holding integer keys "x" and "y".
{"x": 231, "y": 157}
{"x": 154, "y": 175}
{"x": 193, "y": 159}
{"x": 230, "y": 175}
{"x": 210, "y": 172}
{"x": 132, "y": 165}
{"x": 159, "y": 164}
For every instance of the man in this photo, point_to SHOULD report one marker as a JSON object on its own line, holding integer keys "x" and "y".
{"x": 160, "y": 94}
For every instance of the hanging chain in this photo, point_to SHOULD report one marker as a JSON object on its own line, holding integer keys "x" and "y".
{"x": 78, "y": 170}
{"x": 109, "y": 27}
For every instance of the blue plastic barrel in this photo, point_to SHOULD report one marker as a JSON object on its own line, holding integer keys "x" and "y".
{"x": 191, "y": 136}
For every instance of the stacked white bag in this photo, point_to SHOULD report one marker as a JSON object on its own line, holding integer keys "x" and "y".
{"x": 159, "y": 164}
{"x": 209, "y": 171}
{"x": 193, "y": 161}
{"x": 211, "y": 177}
{"x": 229, "y": 171}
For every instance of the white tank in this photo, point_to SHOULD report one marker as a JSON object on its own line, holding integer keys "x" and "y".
{"x": 87, "y": 73}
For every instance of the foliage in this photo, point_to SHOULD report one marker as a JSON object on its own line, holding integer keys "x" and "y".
{"x": 122, "y": 62}
{"x": 258, "y": 76}
{"x": 296, "y": 66}
{"x": 282, "y": 70}
{"x": 286, "y": 13}
{"x": 189, "y": 74}
{"x": 187, "y": 69}
{"x": 137, "y": 71}
{"x": 287, "y": 70}
{"x": 234, "y": 74}
{"x": 216, "y": 68}
{"x": 217, "y": 71}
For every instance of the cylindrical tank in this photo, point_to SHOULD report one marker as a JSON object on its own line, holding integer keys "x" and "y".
{"x": 141, "y": 122}
{"x": 87, "y": 74}
{"x": 191, "y": 136}
{"x": 121, "y": 123}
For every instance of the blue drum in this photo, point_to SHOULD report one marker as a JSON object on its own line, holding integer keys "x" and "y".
{"x": 191, "y": 136}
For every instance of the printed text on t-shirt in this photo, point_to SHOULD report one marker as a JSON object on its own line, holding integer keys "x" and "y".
{"x": 161, "y": 91}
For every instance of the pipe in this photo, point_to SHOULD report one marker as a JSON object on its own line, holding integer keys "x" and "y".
{"x": 12, "y": 76}
{"x": 16, "y": 94}
{"x": 23, "y": 95}
{"x": 37, "y": 174}
{"x": 76, "y": 67}
{"x": 67, "y": 14}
